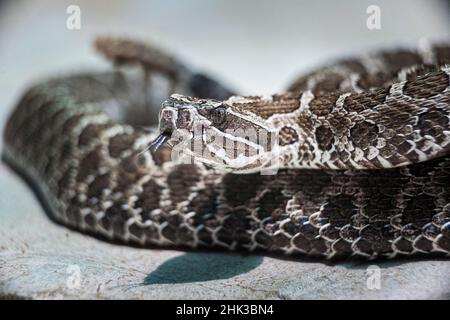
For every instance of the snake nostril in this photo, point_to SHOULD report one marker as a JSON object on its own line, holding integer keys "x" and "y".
{"x": 166, "y": 120}
{"x": 183, "y": 118}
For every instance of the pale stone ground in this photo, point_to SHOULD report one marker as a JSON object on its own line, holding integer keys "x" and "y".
{"x": 39, "y": 259}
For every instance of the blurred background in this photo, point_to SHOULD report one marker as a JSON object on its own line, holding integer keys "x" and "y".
{"x": 255, "y": 46}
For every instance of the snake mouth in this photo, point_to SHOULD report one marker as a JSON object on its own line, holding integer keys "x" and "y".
{"x": 159, "y": 141}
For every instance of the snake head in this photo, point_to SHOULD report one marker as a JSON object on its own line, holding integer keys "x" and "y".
{"x": 215, "y": 134}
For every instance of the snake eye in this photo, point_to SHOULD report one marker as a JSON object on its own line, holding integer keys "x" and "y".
{"x": 218, "y": 115}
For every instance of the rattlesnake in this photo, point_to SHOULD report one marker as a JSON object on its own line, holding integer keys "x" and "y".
{"x": 362, "y": 149}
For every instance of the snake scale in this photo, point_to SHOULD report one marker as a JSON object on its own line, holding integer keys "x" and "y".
{"x": 362, "y": 149}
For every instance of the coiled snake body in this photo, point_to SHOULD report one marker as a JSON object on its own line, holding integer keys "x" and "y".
{"x": 362, "y": 148}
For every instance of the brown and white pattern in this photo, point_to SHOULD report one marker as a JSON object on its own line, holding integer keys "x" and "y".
{"x": 364, "y": 153}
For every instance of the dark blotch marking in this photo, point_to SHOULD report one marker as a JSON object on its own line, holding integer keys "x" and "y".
{"x": 339, "y": 210}
{"x": 234, "y": 182}
{"x": 401, "y": 59}
{"x": 368, "y": 100}
{"x": 90, "y": 164}
{"x": 324, "y": 137}
{"x": 100, "y": 183}
{"x": 91, "y": 132}
{"x": 427, "y": 86}
{"x": 287, "y": 136}
{"x": 181, "y": 180}
{"x": 148, "y": 199}
{"x": 364, "y": 134}
{"x": 419, "y": 210}
{"x": 323, "y": 105}
{"x": 120, "y": 143}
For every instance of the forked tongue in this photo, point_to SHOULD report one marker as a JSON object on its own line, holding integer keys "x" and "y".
{"x": 158, "y": 142}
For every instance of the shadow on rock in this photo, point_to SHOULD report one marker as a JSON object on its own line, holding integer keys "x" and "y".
{"x": 197, "y": 267}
